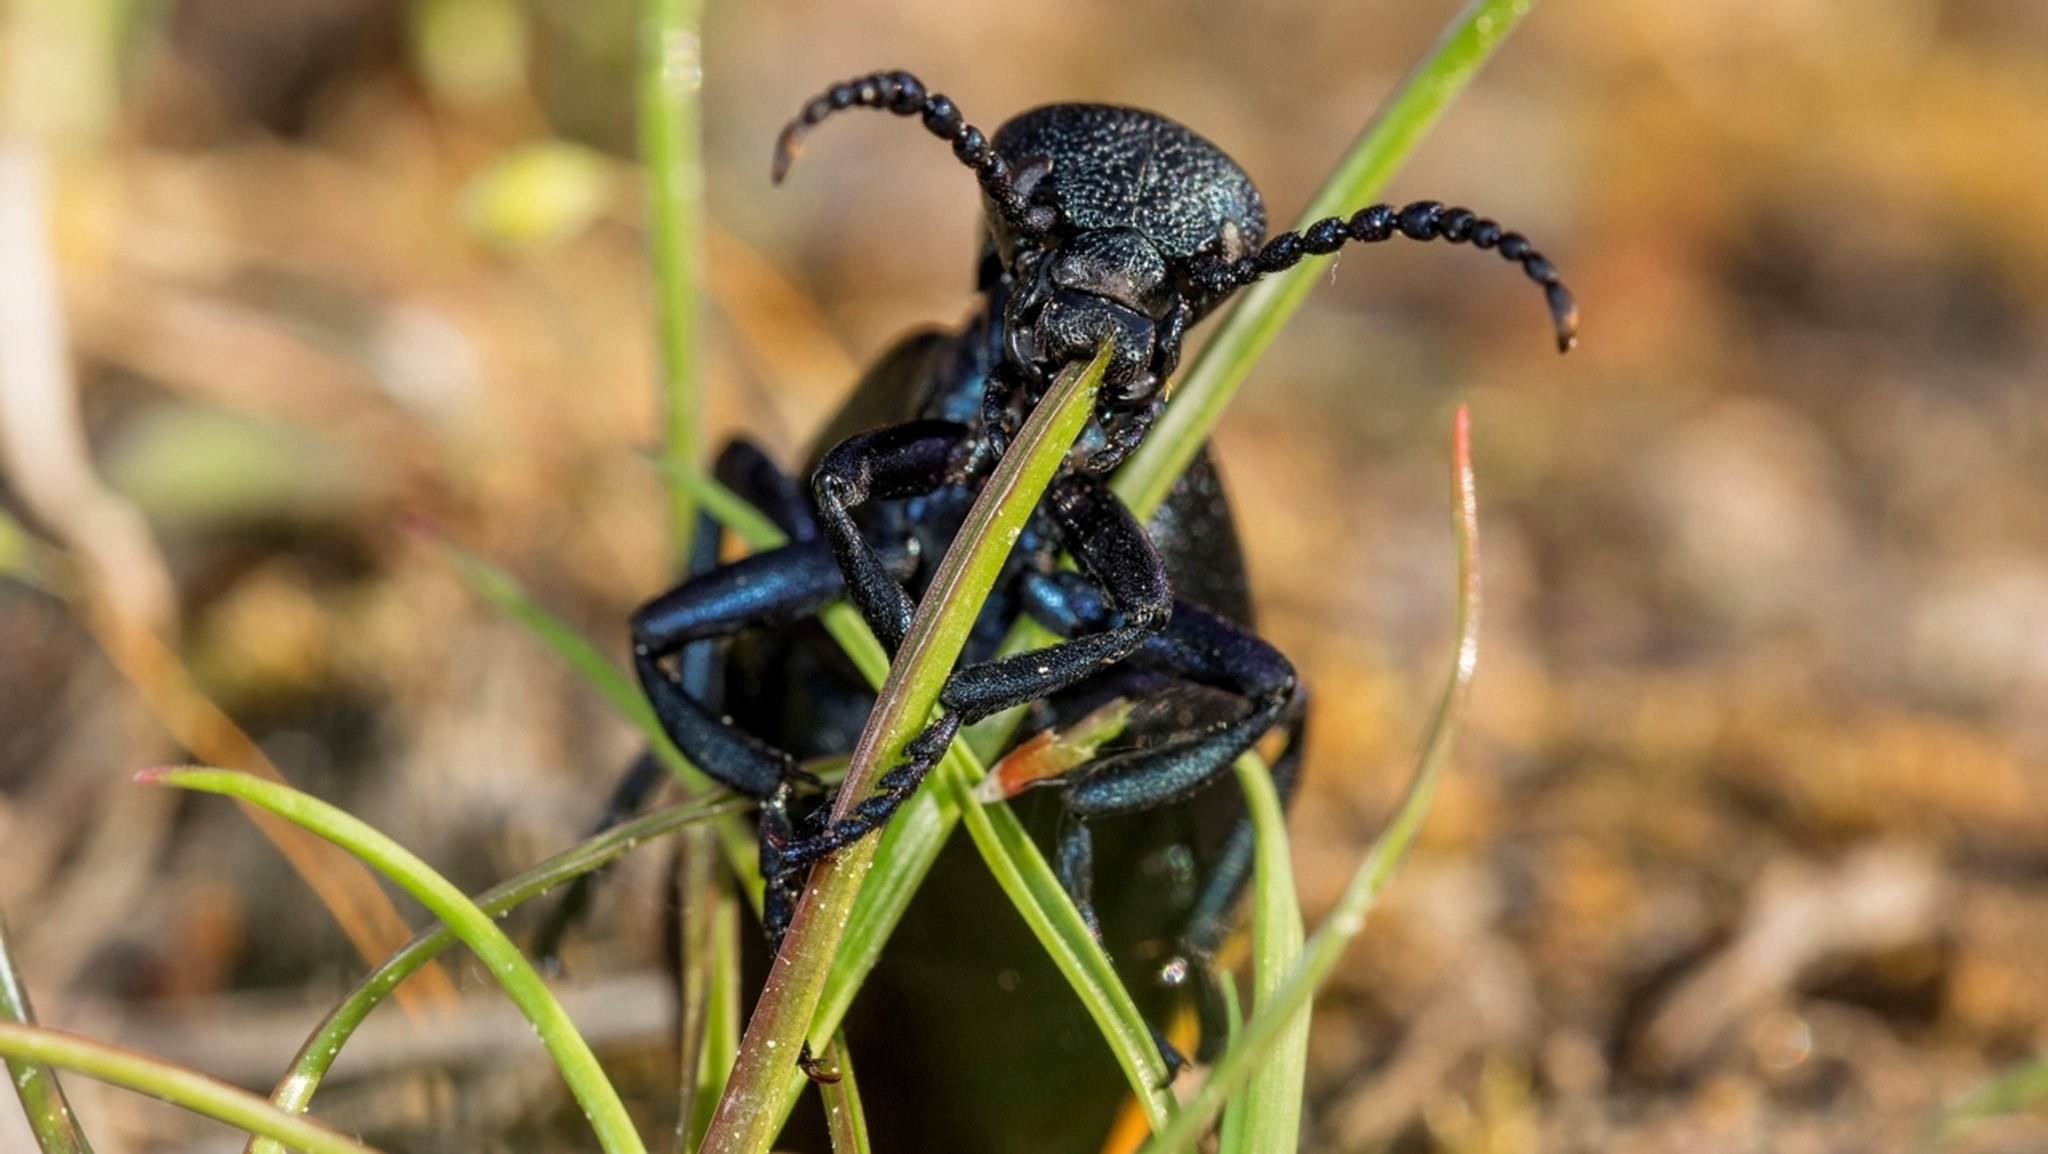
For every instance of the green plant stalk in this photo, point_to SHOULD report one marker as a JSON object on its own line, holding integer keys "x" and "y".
{"x": 1272, "y": 1019}
{"x": 671, "y": 150}
{"x": 42, "y": 1098}
{"x": 846, "y": 1119}
{"x": 912, "y": 841}
{"x": 708, "y": 986}
{"x": 746, "y": 1121}
{"x": 722, "y": 1039}
{"x": 174, "y": 1084}
{"x": 1230, "y": 1136}
{"x": 1270, "y": 1107}
{"x": 294, "y": 1092}
{"x": 503, "y": 590}
{"x": 586, "y": 1079}
{"x": 1260, "y": 312}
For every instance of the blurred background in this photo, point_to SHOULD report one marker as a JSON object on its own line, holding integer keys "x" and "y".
{"x": 1746, "y": 848}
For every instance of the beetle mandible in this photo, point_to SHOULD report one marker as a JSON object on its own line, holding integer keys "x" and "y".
{"x": 1104, "y": 223}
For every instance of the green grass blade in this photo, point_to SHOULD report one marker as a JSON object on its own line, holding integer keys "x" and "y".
{"x": 586, "y": 1079}
{"x": 671, "y": 149}
{"x": 1256, "y": 319}
{"x": 1270, "y": 1107}
{"x": 42, "y": 1098}
{"x": 747, "y": 1119}
{"x": 708, "y": 926}
{"x": 170, "y": 1083}
{"x": 1036, "y": 892}
{"x": 1272, "y": 1019}
{"x": 1230, "y": 1136}
{"x": 294, "y": 1092}
{"x": 845, "y": 1117}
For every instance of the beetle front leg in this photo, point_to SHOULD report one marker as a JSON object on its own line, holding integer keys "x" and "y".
{"x": 748, "y": 471}
{"x": 907, "y": 460}
{"x": 772, "y": 588}
{"x": 1113, "y": 549}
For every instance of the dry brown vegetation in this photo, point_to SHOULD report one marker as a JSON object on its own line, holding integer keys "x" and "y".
{"x": 1747, "y": 848}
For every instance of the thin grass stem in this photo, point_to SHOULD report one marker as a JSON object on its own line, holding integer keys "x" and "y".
{"x": 50, "y": 1119}
{"x": 177, "y": 1085}
{"x": 1271, "y": 1020}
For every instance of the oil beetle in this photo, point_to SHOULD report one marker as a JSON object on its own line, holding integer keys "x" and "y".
{"x": 1103, "y": 223}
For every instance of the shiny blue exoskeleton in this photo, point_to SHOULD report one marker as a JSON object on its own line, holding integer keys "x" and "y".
{"x": 1104, "y": 224}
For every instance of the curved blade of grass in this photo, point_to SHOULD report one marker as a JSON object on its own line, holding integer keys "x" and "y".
{"x": 844, "y": 1115}
{"x": 1035, "y": 890}
{"x": 42, "y": 1098}
{"x": 586, "y": 1079}
{"x": 747, "y": 1119}
{"x": 912, "y": 842}
{"x": 1272, "y": 1019}
{"x": 1230, "y": 1136}
{"x": 170, "y": 1083}
{"x": 671, "y": 149}
{"x": 294, "y": 1092}
{"x": 1269, "y": 1111}
{"x": 1256, "y": 319}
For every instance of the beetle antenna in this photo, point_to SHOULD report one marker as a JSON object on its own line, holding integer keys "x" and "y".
{"x": 906, "y": 95}
{"x": 1423, "y": 220}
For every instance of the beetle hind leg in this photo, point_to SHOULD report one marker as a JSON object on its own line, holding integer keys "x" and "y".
{"x": 744, "y": 468}
{"x": 1198, "y": 649}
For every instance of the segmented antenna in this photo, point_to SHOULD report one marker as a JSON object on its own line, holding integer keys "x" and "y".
{"x": 905, "y": 95}
{"x": 1423, "y": 220}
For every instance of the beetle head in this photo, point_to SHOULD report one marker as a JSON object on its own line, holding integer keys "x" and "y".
{"x": 1115, "y": 223}
{"x": 1135, "y": 199}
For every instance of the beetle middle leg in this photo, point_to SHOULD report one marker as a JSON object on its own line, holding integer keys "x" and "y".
{"x": 777, "y": 587}
{"x": 748, "y": 471}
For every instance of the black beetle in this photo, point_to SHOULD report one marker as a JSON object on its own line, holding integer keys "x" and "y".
{"x": 1104, "y": 222}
